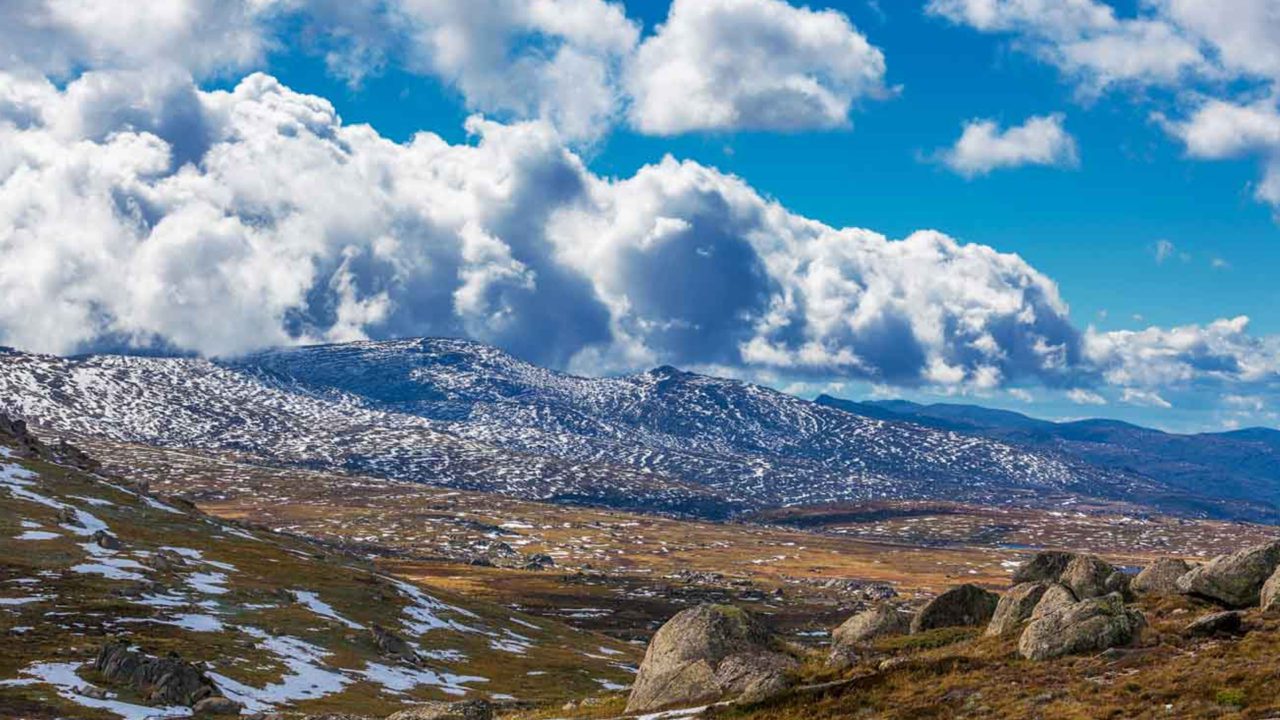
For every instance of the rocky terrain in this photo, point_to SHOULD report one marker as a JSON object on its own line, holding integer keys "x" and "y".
{"x": 118, "y": 603}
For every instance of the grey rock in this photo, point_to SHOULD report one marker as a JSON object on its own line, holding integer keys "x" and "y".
{"x": 463, "y": 710}
{"x": 106, "y": 540}
{"x": 1046, "y": 566}
{"x": 217, "y": 705}
{"x": 709, "y": 653}
{"x": 1161, "y": 577}
{"x": 1233, "y": 580}
{"x": 160, "y": 681}
{"x": 1229, "y": 622}
{"x": 1086, "y": 575}
{"x": 1089, "y": 625}
{"x": 393, "y": 645}
{"x": 1055, "y": 597}
{"x": 1015, "y": 607}
{"x": 877, "y": 621}
{"x": 1269, "y": 597}
{"x": 961, "y": 606}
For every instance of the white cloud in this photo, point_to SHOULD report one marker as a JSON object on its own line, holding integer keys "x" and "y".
{"x": 1222, "y": 352}
{"x": 1145, "y": 398}
{"x": 750, "y": 64}
{"x": 1163, "y": 250}
{"x": 288, "y": 226}
{"x": 1080, "y": 396}
{"x": 984, "y": 147}
{"x": 1022, "y": 394}
{"x": 1207, "y": 52}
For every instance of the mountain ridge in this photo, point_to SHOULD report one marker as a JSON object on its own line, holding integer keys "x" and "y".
{"x": 463, "y": 414}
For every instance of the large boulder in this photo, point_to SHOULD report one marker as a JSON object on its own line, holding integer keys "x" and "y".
{"x": 1269, "y": 598}
{"x": 1233, "y": 580}
{"x": 880, "y": 620}
{"x": 1227, "y": 622}
{"x": 1015, "y": 607}
{"x": 1086, "y": 575}
{"x": 961, "y": 606}
{"x": 708, "y": 653}
{"x": 160, "y": 681}
{"x": 1161, "y": 577}
{"x": 877, "y": 621}
{"x": 1089, "y": 625}
{"x": 1055, "y": 597}
{"x": 462, "y": 710}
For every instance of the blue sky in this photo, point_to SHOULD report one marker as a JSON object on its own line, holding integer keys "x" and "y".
{"x": 1150, "y": 212}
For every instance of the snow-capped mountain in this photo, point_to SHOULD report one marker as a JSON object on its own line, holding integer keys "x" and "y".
{"x": 461, "y": 414}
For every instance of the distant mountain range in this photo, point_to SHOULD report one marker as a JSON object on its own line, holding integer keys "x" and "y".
{"x": 466, "y": 415}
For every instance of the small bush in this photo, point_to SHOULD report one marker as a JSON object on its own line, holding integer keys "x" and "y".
{"x": 1230, "y": 697}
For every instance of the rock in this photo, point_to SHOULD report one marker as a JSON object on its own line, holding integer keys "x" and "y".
{"x": 393, "y": 645}
{"x": 1087, "y": 575}
{"x": 1233, "y": 580}
{"x": 106, "y": 540}
{"x": 1055, "y": 597}
{"x": 1044, "y": 567}
{"x": 1090, "y": 576}
{"x": 1015, "y": 607}
{"x": 708, "y": 653}
{"x": 1269, "y": 598}
{"x": 1229, "y": 622}
{"x": 877, "y": 621}
{"x": 961, "y": 606}
{"x": 539, "y": 561}
{"x": 160, "y": 681}
{"x": 1086, "y": 626}
{"x": 463, "y": 710}
{"x": 1161, "y": 577}
{"x": 217, "y": 705}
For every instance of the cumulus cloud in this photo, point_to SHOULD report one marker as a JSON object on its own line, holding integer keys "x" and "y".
{"x": 1222, "y": 352}
{"x": 1197, "y": 49}
{"x": 285, "y": 225}
{"x": 751, "y": 64}
{"x": 984, "y": 147}
{"x": 1145, "y": 398}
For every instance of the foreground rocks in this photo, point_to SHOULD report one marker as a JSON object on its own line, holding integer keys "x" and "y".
{"x": 1016, "y": 606}
{"x": 961, "y": 606}
{"x": 1229, "y": 622}
{"x": 160, "y": 681}
{"x": 1089, "y": 625}
{"x": 878, "y": 621}
{"x": 1085, "y": 575}
{"x": 1234, "y": 580}
{"x": 1161, "y": 577}
{"x": 706, "y": 654}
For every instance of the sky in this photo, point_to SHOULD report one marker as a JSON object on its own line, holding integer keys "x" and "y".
{"x": 1063, "y": 207}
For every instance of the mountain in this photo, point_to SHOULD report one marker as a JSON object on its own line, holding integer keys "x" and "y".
{"x": 462, "y": 414}
{"x": 276, "y": 622}
{"x": 1240, "y": 465}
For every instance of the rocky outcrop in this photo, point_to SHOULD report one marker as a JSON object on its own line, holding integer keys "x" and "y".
{"x": 160, "y": 681}
{"x": 1229, "y": 622}
{"x": 961, "y": 606}
{"x": 28, "y": 445}
{"x": 1090, "y": 625}
{"x": 1161, "y": 577}
{"x": 1233, "y": 580}
{"x": 1086, "y": 575}
{"x": 464, "y": 710}
{"x": 708, "y": 653}
{"x": 1015, "y": 607}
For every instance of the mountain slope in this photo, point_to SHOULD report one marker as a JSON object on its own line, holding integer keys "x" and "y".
{"x": 1242, "y": 465}
{"x": 276, "y": 622}
{"x": 466, "y": 415}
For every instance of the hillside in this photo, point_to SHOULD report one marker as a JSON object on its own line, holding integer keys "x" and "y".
{"x": 465, "y": 415}
{"x": 277, "y": 623}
